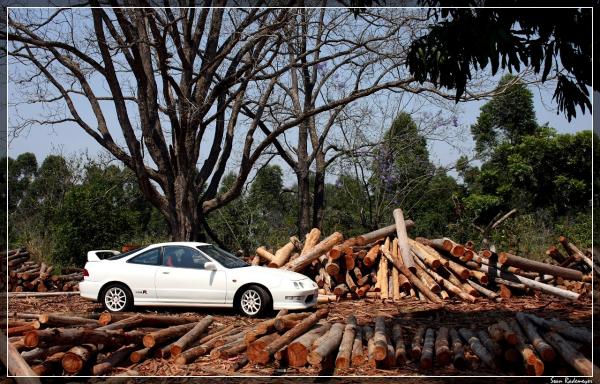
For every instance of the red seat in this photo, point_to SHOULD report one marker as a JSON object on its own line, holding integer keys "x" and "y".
{"x": 169, "y": 261}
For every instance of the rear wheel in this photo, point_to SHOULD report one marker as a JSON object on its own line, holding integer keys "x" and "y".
{"x": 254, "y": 301}
{"x": 117, "y": 298}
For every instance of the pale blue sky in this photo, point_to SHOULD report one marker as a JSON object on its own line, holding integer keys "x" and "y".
{"x": 70, "y": 139}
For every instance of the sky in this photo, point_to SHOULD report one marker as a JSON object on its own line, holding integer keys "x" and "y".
{"x": 70, "y": 139}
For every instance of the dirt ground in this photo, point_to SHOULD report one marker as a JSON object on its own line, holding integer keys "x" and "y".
{"x": 410, "y": 313}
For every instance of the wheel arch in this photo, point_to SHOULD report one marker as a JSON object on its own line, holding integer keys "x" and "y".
{"x": 101, "y": 291}
{"x": 241, "y": 289}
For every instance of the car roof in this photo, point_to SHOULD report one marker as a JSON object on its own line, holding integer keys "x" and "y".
{"x": 187, "y": 243}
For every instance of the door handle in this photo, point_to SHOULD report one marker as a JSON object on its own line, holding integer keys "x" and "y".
{"x": 166, "y": 273}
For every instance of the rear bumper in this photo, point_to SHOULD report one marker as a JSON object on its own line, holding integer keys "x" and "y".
{"x": 295, "y": 299}
{"x": 89, "y": 289}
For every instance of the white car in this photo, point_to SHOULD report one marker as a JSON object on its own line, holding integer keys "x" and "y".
{"x": 191, "y": 274}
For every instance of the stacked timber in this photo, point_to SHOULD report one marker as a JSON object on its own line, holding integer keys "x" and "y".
{"x": 25, "y": 275}
{"x": 103, "y": 343}
{"x": 387, "y": 264}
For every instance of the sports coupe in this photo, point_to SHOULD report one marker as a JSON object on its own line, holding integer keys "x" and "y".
{"x": 191, "y": 274}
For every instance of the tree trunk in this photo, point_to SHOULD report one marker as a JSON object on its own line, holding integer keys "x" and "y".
{"x": 400, "y": 350}
{"x": 319, "y": 190}
{"x": 380, "y": 339}
{"x": 477, "y": 347}
{"x": 302, "y": 177}
{"x": 546, "y": 352}
{"x": 76, "y": 357}
{"x": 357, "y": 348}
{"x": 458, "y": 351}
{"x": 442, "y": 348}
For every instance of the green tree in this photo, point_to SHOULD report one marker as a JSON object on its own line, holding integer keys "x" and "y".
{"x": 506, "y": 118}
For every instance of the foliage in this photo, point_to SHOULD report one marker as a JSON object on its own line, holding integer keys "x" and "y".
{"x": 558, "y": 39}
{"x": 506, "y": 118}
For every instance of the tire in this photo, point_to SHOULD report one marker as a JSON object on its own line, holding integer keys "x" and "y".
{"x": 253, "y": 301}
{"x": 116, "y": 298}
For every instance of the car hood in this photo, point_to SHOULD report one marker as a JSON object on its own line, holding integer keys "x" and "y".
{"x": 258, "y": 272}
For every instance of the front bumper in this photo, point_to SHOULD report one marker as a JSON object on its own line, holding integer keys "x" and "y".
{"x": 295, "y": 299}
{"x": 89, "y": 289}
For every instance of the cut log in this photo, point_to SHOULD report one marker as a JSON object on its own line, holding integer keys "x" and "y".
{"x": 283, "y": 254}
{"x": 424, "y": 255}
{"x": 50, "y": 365}
{"x": 340, "y": 290}
{"x": 55, "y": 336}
{"x": 349, "y": 261}
{"x": 114, "y": 359}
{"x": 42, "y": 353}
{"x": 458, "y": 351}
{"x": 414, "y": 280}
{"x": 536, "y": 285}
{"x": 358, "y": 358}
{"x": 400, "y": 349}
{"x": 442, "y": 348}
{"x": 403, "y": 245}
{"x": 495, "y": 332}
{"x": 426, "y": 360}
{"x": 489, "y": 344}
{"x": 139, "y": 355}
{"x": 264, "y": 356}
{"x": 16, "y": 365}
{"x": 255, "y": 348}
{"x": 396, "y": 284}
{"x": 382, "y": 274}
{"x": 417, "y": 343}
{"x": 75, "y": 358}
{"x": 555, "y": 254}
{"x": 21, "y": 329}
{"x": 371, "y": 256}
{"x": 381, "y": 233}
{"x": 508, "y": 333}
{"x": 380, "y": 339}
{"x": 484, "y": 291}
{"x": 61, "y": 320}
{"x": 350, "y": 282}
{"x": 297, "y": 351}
{"x": 536, "y": 266}
{"x": 262, "y": 252}
{"x": 546, "y": 352}
{"x": 305, "y": 260}
{"x": 312, "y": 238}
{"x": 149, "y": 320}
{"x": 477, "y": 348}
{"x": 427, "y": 280}
{"x": 447, "y": 284}
{"x": 191, "y": 336}
{"x": 573, "y": 357}
{"x": 533, "y": 365}
{"x": 158, "y": 337}
{"x": 505, "y": 292}
{"x": 368, "y": 332}
{"x": 580, "y": 334}
{"x": 459, "y": 270}
{"x": 122, "y": 324}
{"x": 326, "y": 344}
{"x": 345, "y": 350}
{"x": 573, "y": 250}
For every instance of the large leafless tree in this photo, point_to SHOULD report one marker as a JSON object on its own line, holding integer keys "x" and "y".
{"x": 180, "y": 95}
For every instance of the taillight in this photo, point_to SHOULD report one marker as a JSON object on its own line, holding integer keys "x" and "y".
{"x": 85, "y": 272}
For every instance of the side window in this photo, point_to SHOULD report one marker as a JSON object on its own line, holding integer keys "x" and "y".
{"x": 150, "y": 257}
{"x": 183, "y": 257}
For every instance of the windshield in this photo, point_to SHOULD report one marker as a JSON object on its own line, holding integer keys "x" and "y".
{"x": 224, "y": 258}
{"x": 122, "y": 255}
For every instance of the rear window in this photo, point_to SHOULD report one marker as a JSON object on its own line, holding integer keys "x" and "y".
{"x": 122, "y": 255}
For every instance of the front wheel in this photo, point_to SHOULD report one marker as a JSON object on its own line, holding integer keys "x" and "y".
{"x": 254, "y": 301}
{"x": 117, "y": 298}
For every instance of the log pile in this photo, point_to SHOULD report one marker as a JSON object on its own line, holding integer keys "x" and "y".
{"x": 25, "y": 275}
{"x": 387, "y": 264}
{"x": 97, "y": 343}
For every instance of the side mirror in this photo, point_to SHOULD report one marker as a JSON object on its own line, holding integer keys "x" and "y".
{"x": 210, "y": 266}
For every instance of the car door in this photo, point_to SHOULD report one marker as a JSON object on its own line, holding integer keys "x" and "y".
{"x": 182, "y": 278}
{"x": 139, "y": 274}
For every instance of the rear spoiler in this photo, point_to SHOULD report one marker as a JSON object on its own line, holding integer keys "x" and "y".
{"x": 93, "y": 255}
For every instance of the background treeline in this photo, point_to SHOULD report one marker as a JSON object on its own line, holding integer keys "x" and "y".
{"x": 63, "y": 207}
